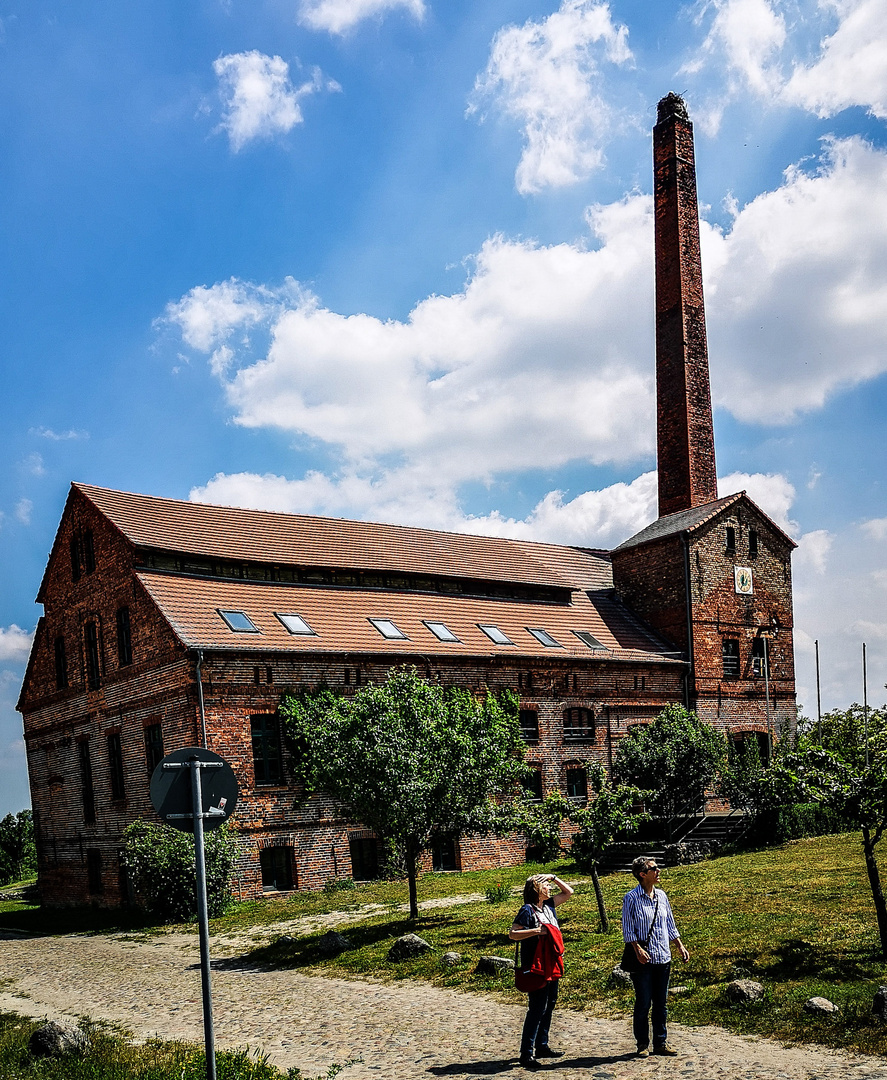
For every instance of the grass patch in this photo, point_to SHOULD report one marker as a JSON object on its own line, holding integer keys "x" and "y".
{"x": 110, "y": 1056}
{"x": 799, "y": 918}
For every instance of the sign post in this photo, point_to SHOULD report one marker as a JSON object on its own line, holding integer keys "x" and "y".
{"x": 184, "y": 800}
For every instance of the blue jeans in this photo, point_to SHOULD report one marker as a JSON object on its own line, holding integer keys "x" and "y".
{"x": 651, "y": 988}
{"x": 540, "y": 1006}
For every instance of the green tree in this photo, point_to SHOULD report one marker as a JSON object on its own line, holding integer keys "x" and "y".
{"x": 843, "y": 731}
{"x": 540, "y": 822}
{"x": 835, "y": 775}
{"x": 410, "y": 759}
{"x": 159, "y": 862}
{"x": 675, "y": 758}
{"x": 610, "y": 811}
{"x": 18, "y": 855}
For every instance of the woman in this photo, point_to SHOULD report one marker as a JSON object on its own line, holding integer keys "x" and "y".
{"x": 530, "y": 924}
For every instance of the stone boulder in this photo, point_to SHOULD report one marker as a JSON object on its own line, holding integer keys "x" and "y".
{"x": 744, "y": 991}
{"x": 821, "y": 1006}
{"x": 494, "y": 965}
{"x": 879, "y": 1005}
{"x": 451, "y": 959}
{"x": 618, "y": 977}
{"x": 408, "y": 946}
{"x": 332, "y": 943}
{"x": 690, "y": 851}
{"x": 57, "y": 1040}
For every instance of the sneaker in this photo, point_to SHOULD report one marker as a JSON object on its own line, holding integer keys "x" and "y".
{"x": 666, "y": 1050}
{"x": 530, "y": 1063}
{"x": 643, "y": 1051}
{"x": 547, "y": 1052}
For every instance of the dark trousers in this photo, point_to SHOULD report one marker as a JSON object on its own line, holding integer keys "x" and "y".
{"x": 651, "y": 989}
{"x": 540, "y": 1006}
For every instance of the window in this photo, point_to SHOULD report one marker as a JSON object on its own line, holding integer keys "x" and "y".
{"x": 75, "y": 558}
{"x": 124, "y": 638}
{"x": 544, "y": 638}
{"x": 443, "y": 854}
{"x": 153, "y": 747}
{"x": 388, "y": 630}
{"x": 115, "y": 765}
{"x": 532, "y": 785}
{"x": 495, "y": 634}
{"x": 277, "y": 868}
{"x": 760, "y": 658}
{"x": 752, "y": 543}
{"x": 589, "y": 639}
{"x": 730, "y": 655}
{"x": 93, "y": 670}
{"x": 86, "y": 789}
{"x": 239, "y": 622}
{"x": 577, "y": 783}
{"x": 441, "y": 631}
{"x": 88, "y": 551}
{"x": 265, "y": 733}
{"x": 364, "y": 857}
{"x": 529, "y": 725}
{"x": 578, "y": 725}
{"x": 61, "y": 665}
{"x": 94, "y": 872}
{"x": 730, "y": 543}
{"x": 295, "y": 624}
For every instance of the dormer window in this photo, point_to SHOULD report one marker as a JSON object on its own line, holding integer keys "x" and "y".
{"x": 388, "y": 630}
{"x": 295, "y": 624}
{"x": 495, "y": 634}
{"x": 239, "y": 622}
{"x": 544, "y": 638}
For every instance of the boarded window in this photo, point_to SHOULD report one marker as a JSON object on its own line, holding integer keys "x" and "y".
{"x": 730, "y": 541}
{"x": 364, "y": 858}
{"x": 153, "y": 747}
{"x": 124, "y": 637}
{"x": 86, "y": 789}
{"x": 443, "y": 854}
{"x": 88, "y": 551}
{"x": 730, "y": 655}
{"x": 93, "y": 669}
{"x": 61, "y": 665}
{"x": 752, "y": 543}
{"x": 578, "y": 726}
{"x": 115, "y": 765}
{"x": 265, "y": 733}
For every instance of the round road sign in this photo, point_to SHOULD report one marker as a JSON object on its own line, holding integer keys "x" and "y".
{"x": 171, "y": 789}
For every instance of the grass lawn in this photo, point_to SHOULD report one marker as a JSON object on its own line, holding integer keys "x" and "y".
{"x": 800, "y": 918}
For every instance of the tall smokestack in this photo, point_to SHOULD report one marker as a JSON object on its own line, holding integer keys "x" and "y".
{"x": 685, "y": 435}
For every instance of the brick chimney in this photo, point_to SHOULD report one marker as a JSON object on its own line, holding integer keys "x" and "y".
{"x": 685, "y": 435}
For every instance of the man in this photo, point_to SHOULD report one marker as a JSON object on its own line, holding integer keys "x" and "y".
{"x": 649, "y": 927}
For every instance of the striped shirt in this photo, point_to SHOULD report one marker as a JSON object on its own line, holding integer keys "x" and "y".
{"x": 637, "y": 914}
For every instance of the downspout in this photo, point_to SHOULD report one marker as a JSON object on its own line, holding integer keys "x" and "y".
{"x": 200, "y": 700}
{"x": 690, "y": 675}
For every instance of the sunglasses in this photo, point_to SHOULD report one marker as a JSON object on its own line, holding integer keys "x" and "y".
{"x": 651, "y": 870}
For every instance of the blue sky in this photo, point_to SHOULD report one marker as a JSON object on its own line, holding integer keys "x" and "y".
{"x": 392, "y": 259}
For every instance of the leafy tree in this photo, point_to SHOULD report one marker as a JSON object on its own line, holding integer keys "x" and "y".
{"x": 18, "y": 854}
{"x": 610, "y": 811}
{"x": 541, "y": 823}
{"x": 675, "y": 758}
{"x": 410, "y": 759}
{"x": 160, "y": 863}
{"x": 835, "y": 776}
{"x": 843, "y": 731}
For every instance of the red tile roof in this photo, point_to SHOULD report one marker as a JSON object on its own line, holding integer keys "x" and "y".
{"x": 340, "y": 619}
{"x": 301, "y": 540}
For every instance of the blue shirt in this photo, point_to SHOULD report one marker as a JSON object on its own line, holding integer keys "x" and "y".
{"x": 637, "y": 915}
{"x": 529, "y": 917}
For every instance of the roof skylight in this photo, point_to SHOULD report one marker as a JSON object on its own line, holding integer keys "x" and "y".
{"x": 388, "y": 630}
{"x": 495, "y": 634}
{"x": 544, "y": 638}
{"x": 294, "y": 623}
{"x": 440, "y": 630}
{"x": 239, "y": 622}
{"x": 589, "y": 639}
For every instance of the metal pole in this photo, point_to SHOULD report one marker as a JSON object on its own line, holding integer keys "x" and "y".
{"x": 209, "y": 1034}
{"x": 767, "y": 694}
{"x": 818, "y": 696}
{"x": 865, "y": 707}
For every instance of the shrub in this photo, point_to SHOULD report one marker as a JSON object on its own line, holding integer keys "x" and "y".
{"x": 794, "y": 821}
{"x": 338, "y": 884}
{"x": 159, "y": 861}
{"x": 498, "y": 893}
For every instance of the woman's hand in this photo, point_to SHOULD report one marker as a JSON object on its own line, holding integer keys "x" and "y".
{"x": 641, "y": 953}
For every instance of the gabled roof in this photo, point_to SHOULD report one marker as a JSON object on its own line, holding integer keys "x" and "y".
{"x": 693, "y": 519}
{"x": 340, "y": 619}
{"x": 300, "y": 540}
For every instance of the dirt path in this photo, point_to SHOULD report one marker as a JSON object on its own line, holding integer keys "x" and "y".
{"x": 152, "y": 987}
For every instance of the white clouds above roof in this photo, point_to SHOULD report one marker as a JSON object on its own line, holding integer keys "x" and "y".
{"x": 546, "y": 75}
{"x": 15, "y": 643}
{"x": 339, "y": 16}
{"x": 259, "y": 100}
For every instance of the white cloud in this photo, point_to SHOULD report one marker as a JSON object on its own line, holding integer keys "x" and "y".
{"x": 259, "y": 99}
{"x": 58, "y": 436}
{"x": 876, "y": 528}
{"x": 339, "y": 16}
{"x": 33, "y": 464}
{"x": 813, "y": 551}
{"x": 23, "y": 510}
{"x": 546, "y": 75}
{"x": 852, "y": 66}
{"x": 15, "y": 643}
{"x": 746, "y": 36}
{"x": 771, "y": 491}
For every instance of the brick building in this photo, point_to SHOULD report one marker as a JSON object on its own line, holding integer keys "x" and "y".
{"x": 169, "y": 624}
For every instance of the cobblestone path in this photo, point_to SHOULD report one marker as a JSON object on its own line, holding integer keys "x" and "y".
{"x": 404, "y": 1030}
